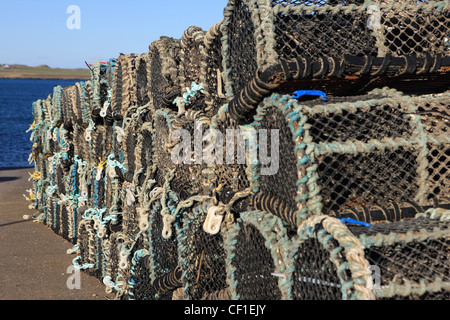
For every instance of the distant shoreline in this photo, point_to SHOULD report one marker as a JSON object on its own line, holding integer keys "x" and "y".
{"x": 42, "y": 73}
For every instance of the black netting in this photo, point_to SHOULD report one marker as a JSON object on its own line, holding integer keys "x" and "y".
{"x": 130, "y": 219}
{"x": 232, "y": 173}
{"x": 113, "y": 270}
{"x": 283, "y": 184}
{"x": 165, "y": 58}
{"x": 140, "y": 278}
{"x": 365, "y": 180}
{"x": 379, "y": 158}
{"x": 380, "y": 121}
{"x": 142, "y": 78}
{"x": 439, "y": 164}
{"x": 415, "y": 260}
{"x": 420, "y": 31}
{"x": 254, "y": 266}
{"x": 146, "y": 152}
{"x": 100, "y": 258}
{"x": 164, "y": 252}
{"x": 162, "y": 134}
{"x": 204, "y": 269}
{"x": 315, "y": 33}
{"x": 117, "y": 88}
{"x": 191, "y": 57}
{"x": 86, "y": 245}
{"x": 242, "y": 46}
{"x": 213, "y": 70}
{"x": 316, "y": 276}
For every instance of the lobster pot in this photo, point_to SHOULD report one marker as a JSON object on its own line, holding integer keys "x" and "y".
{"x": 256, "y": 249}
{"x": 142, "y": 79}
{"x": 99, "y": 79}
{"x": 68, "y": 102}
{"x": 66, "y": 218}
{"x": 144, "y": 149}
{"x": 230, "y": 168}
{"x": 99, "y": 149}
{"x": 183, "y": 178}
{"x": 434, "y": 117}
{"x": 164, "y": 72}
{"x": 212, "y": 70}
{"x": 86, "y": 244}
{"x": 190, "y": 176}
{"x": 124, "y": 94}
{"x": 78, "y": 93}
{"x": 130, "y": 222}
{"x": 162, "y": 126}
{"x": 202, "y": 256}
{"x": 131, "y": 143}
{"x": 347, "y": 155}
{"x": 328, "y": 263}
{"x": 261, "y": 32}
{"x": 52, "y": 213}
{"x": 139, "y": 281}
{"x": 409, "y": 259}
{"x": 111, "y": 66}
{"x": 87, "y": 104}
{"x": 192, "y": 44}
{"x": 53, "y": 109}
{"x": 115, "y": 276}
{"x": 81, "y": 147}
{"x": 163, "y": 249}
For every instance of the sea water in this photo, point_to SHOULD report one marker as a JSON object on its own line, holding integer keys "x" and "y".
{"x": 16, "y": 101}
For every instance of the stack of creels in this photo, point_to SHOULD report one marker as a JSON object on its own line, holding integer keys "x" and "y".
{"x": 295, "y": 150}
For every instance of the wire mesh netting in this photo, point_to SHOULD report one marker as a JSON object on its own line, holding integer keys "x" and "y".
{"x": 205, "y": 169}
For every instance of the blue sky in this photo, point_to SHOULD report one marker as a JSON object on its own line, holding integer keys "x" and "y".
{"x": 34, "y": 32}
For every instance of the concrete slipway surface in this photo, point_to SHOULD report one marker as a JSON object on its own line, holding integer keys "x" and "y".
{"x": 33, "y": 259}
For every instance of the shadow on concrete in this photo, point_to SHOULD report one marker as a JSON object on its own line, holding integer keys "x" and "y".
{"x": 6, "y": 179}
{"x": 15, "y": 222}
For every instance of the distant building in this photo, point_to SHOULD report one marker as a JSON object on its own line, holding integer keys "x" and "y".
{"x": 5, "y": 66}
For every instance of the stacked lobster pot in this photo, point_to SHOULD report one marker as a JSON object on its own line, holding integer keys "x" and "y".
{"x": 295, "y": 150}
